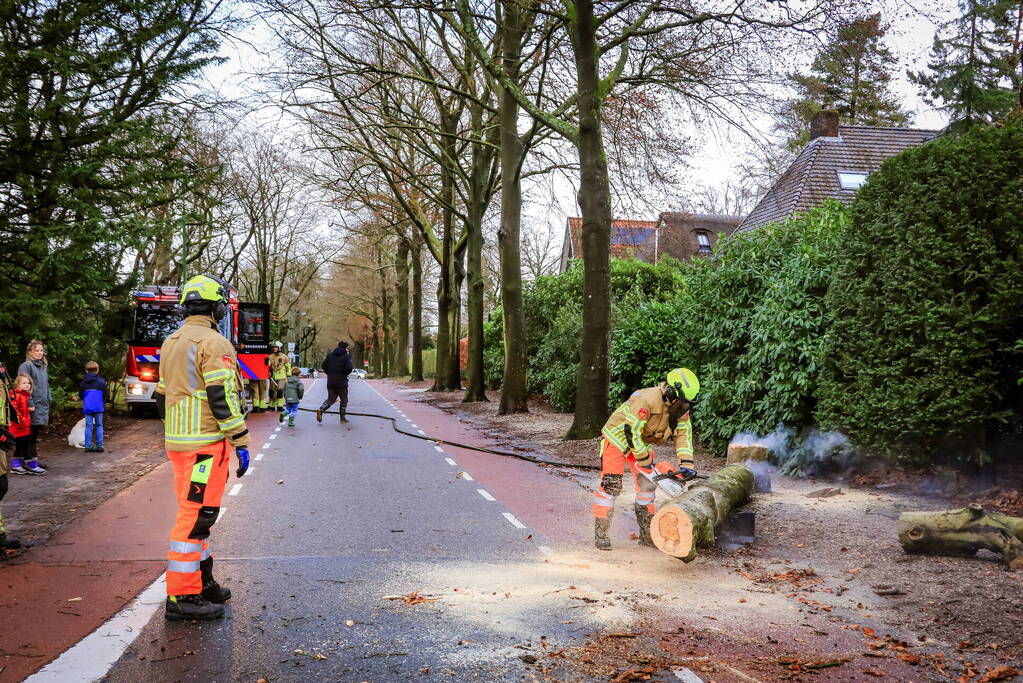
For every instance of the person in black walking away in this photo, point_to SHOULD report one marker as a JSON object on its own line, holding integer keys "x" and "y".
{"x": 337, "y": 365}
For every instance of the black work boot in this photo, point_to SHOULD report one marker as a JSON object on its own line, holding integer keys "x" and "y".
{"x": 343, "y": 418}
{"x": 644, "y": 517}
{"x": 188, "y": 607}
{"x": 602, "y": 533}
{"x": 8, "y": 543}
{"x": 211, "y": 590}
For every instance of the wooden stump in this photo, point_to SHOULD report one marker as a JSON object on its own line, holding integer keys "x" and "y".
{"x": 688, "y": 521}
{"x": 963, "y": 532}
{"x": 739, "y": 453}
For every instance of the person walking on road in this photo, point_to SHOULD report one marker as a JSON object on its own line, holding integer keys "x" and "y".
{"x": 94, "y": 394}
{"x": 199, "y": 396}
{"x": 337, "y": 366}
{"x": 294, "y": 391}
{"x": 280, "y": 368}
{"x": 651, "y": 416}
{"x": 36, "y": 366}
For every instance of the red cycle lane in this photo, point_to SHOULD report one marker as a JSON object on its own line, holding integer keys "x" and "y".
{"x": 57, "y": 593}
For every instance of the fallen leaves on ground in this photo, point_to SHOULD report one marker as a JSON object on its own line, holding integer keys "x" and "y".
{"x": 999, "y": 673}
{"x": 644, "y": 674}
{"x": 413, "y": 598}
{"x": 798, "y": 664}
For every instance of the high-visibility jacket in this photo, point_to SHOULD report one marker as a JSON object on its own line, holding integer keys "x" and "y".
{"x": 280, "y": 365}
{"x": 643, "y": 421}
{"x": 199, "y": 383}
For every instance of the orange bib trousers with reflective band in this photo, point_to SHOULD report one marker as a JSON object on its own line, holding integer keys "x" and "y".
{"x": 612, "y": 469}
{"x": 200, "y": 477}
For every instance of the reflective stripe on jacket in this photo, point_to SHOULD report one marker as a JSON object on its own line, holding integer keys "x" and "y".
{"x": 199, "y": 379}
{"x": 280, "y": 365}
{"x": 643, "y": 421}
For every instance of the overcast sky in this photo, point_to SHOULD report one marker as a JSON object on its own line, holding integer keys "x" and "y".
{"x": 715, "y": 156}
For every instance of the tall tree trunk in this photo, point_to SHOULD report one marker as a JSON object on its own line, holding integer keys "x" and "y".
{"x": 457, "y": 280}
{"x": 593, "y": 375}
{"x": 482, "y": 162}
{"x": 401, "y": 345}
{"x": 417, "y": 311}
{"x": 513, "y": 386}
{"x": 385, "y": 314}
{"x": 441, "y": 372}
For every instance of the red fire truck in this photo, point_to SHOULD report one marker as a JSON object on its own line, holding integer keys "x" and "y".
{"x": 157, "y": 314}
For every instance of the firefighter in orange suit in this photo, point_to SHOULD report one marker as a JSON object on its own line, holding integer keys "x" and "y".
{"x": 651, "y": 416}
{"x": 199, "y": 396}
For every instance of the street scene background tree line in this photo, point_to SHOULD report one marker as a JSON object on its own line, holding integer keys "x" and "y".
{"x": 392, "y": 213}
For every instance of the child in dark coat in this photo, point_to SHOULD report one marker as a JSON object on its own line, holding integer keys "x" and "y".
{"x": 94, "y": 394}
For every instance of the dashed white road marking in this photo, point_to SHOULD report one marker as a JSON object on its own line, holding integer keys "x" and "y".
{"x": 544, "y": 549}
{"x": 259, "y": 456}
{"x": 234, "y": 490}
{"x": 438, "y": 449}
{"x": 451, "y": 462}
{"x": 486, "y": 495}
{"x": 273, "y": 436}
{"x": 421, "y": 432}
{"x": 467, "y": 476}
{"x": 514, "y": 520}
{"x": 412, "y": 423}
{"x": 278, "y": 429}
{"x": 252, "y": 468}
{"x": 266, "y": 445}
{"x": 220, "y": 517}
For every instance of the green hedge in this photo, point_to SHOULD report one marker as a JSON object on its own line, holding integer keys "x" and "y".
{"x": 928, "y": 297}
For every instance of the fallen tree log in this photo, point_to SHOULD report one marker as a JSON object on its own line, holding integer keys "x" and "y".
{"x": 687, "y": 521}
{"x": 963, "y": 532}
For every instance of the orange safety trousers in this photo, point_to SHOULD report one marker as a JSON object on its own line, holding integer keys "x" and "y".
{"x": 200, "y": 477}
{"x": 612, "y": 469}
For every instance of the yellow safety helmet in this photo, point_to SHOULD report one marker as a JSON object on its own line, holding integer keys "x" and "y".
{"x": 204, "y": 288}
{"x": 683, "y": 383}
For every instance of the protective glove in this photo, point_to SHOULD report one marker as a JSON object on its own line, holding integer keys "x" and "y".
{"x": 243, "y": 461}
{"x": 687, "y": 472}
{"x": 649, "y": 469}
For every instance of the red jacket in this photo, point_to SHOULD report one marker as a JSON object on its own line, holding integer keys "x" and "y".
{"x": 19, "y": 400}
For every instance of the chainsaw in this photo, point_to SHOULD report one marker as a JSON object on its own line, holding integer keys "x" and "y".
{"x": 672, "y": 480}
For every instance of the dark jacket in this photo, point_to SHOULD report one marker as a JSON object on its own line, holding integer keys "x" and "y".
{"x": 41, "y": 397}
{"x": 94, "y": 393}
{"x": 338, "y": 365}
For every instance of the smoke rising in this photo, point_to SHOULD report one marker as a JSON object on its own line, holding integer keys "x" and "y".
{"x": 807, "y": 453}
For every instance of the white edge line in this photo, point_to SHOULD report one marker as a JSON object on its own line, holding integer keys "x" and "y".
{"x": 94, "y": 655}
{"x": 259, "y": 456}
{"x": 266, "y": 445}
{"x": 514, "y": 520}
{"x": 421, "y": 432}
{"x": 467, "y": 476}
{"x": 234, "y": 490}
{"x": 486, "y": 495}
{"x": 438, "y": 449}
{"x": 451, "y": 462}
{"x": 273, "y": 436}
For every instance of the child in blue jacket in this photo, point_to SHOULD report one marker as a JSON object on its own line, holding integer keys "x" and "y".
{"x": 94, "y": 395}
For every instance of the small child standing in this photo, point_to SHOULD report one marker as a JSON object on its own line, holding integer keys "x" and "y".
{"x": 6, "y": 448}
{"x": 25, "y": 460}
{"x": 94, "y": 395}
{"x": 294, "y": 390}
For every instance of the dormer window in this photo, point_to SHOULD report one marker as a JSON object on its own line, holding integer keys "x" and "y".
{"x": 703, "y": 241}
{"x": 851, "y": 180}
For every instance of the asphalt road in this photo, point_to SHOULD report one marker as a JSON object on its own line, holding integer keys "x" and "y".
{"x": 328, "y": 522}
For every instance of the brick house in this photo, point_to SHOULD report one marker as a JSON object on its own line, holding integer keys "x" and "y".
{"x": 627, "y": 238}
{"x": 834, "y": 164}
{"x": 686, "y": 236}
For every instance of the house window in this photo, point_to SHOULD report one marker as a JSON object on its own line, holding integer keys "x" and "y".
{"x": 851, "y": 180}
{"x": 703, "y": 240}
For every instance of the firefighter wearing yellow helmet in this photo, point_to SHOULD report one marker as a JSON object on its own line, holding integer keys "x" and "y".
{"x": 280, "y": 368}
{"x": 199, "y": 397}
{"x": 651, "y": 416}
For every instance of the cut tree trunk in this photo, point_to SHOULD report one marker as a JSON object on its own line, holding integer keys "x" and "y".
{"x": 688, "y": 521}
{"x": 963, "y": 532}
{"x": 741, "y": 452}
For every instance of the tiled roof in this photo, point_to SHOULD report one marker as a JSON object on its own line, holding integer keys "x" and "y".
{"x": 813, "y": 176}
{"x": 624, "y": 234}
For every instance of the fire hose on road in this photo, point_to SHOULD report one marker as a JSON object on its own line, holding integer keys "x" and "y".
{"x": 481, "y": 449}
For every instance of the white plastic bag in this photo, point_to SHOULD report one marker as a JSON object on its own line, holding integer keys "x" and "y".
{"x": 77, "y": 436}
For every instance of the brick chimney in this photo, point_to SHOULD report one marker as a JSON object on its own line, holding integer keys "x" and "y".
{"x": 824, "y": 124}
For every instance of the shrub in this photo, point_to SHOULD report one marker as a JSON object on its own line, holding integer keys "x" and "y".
{"x": 926, "y": 294}
{"x": 753, "y": 325}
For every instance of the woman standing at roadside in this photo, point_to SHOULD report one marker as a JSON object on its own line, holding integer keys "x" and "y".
{"x": 36, "y": 367}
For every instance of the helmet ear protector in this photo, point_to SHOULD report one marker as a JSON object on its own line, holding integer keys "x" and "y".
{"x": 207, "y": 290}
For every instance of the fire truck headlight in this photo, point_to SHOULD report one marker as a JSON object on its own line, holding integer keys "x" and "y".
{"x": 136, "y": 389}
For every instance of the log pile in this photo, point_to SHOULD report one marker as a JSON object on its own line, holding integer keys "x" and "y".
{"x": 687, "y": 521}
{"x": 963, "y": 532}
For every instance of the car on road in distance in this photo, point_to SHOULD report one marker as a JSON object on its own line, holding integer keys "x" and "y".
{"x": 358, "y": 373}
